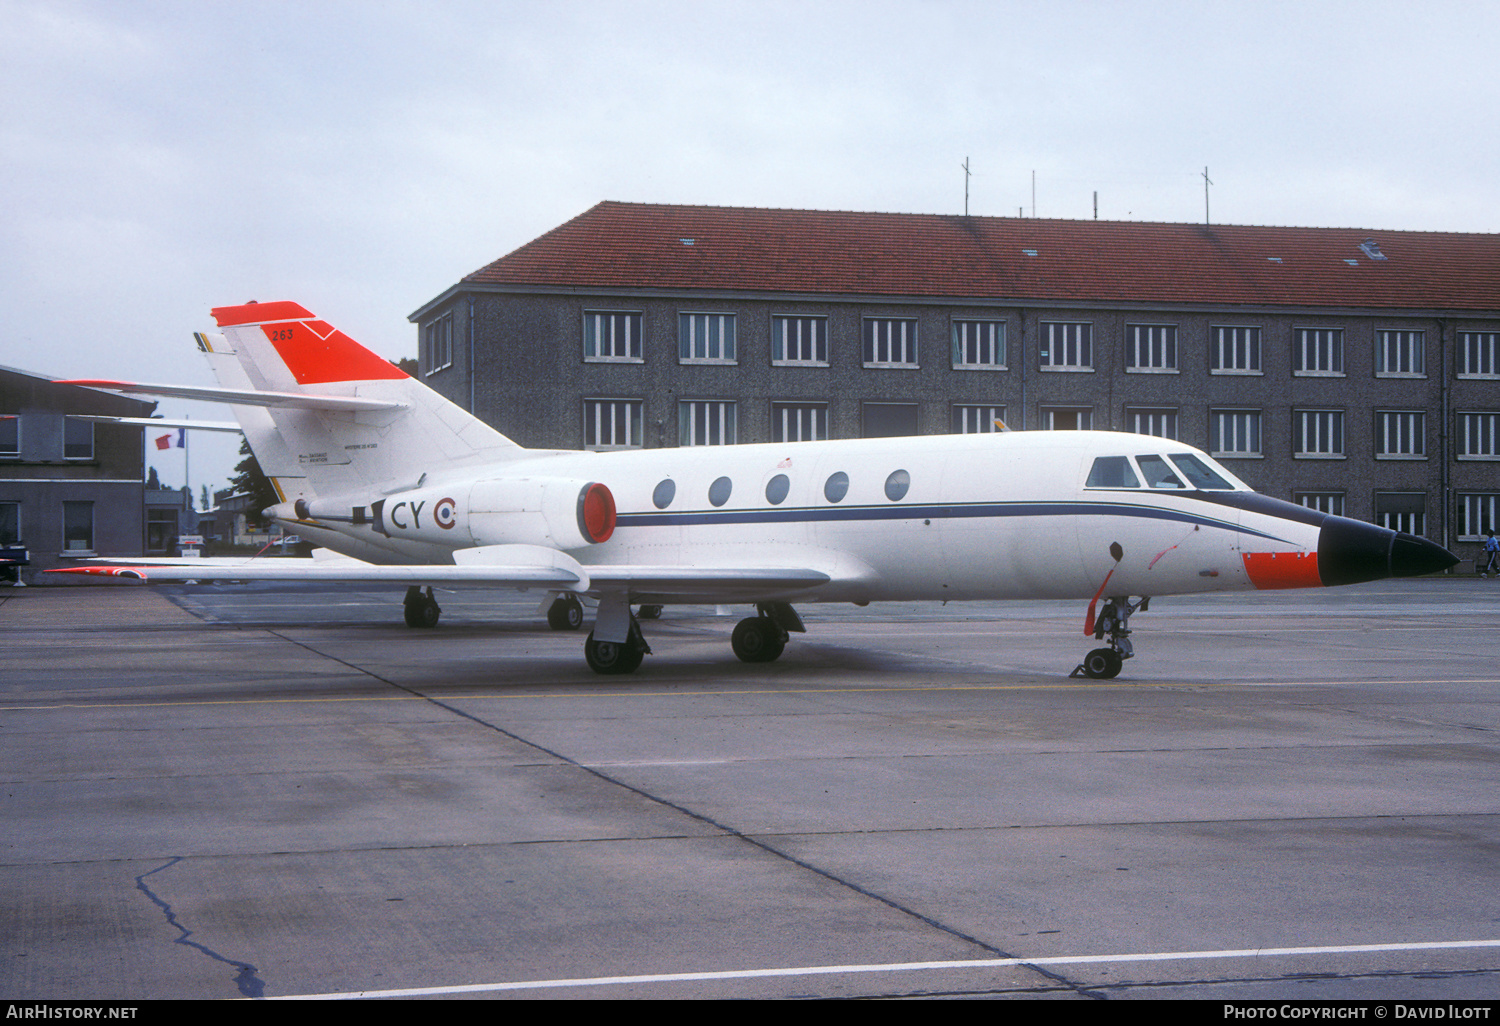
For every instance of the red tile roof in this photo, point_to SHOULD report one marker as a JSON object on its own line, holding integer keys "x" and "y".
{"x": 637, "y": 245}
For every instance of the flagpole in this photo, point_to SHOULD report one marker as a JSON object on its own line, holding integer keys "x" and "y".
{"x": 187, "y": 477}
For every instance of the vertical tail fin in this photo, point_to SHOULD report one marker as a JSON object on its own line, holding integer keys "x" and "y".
{"x": 281, "y": 347}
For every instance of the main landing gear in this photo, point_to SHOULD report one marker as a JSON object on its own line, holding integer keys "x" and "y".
{"x": 763, "y": 637}
{"x": 565, "y": 613}
{"x": 617, "y": 656}
{"x": 1114, "y": 623}
{"x": 422, "y": 610}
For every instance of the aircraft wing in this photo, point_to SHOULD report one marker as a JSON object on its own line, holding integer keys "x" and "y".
{"x": 495, "y": 566}
{"x": 666, "y": 585}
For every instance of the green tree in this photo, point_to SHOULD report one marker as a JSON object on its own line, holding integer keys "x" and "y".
{"x": 248, "y": 479}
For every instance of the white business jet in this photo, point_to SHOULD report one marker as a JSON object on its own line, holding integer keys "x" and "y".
{"x": 412, "y": 490}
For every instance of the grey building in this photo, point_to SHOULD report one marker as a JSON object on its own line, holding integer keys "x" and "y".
{"x": 1352, "y": 370}
{"x": 70, "y": 488}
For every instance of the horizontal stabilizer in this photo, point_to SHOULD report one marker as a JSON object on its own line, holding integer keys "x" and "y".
{"x": 243, "y": 397}
{"x": 160, "y": 422}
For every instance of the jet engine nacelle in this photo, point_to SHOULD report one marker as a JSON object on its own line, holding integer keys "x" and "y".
{"x": 563, "y": 513}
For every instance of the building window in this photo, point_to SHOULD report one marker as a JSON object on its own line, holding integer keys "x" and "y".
{"x": 10, "y": 523}
{"x": 1400, "y": 354}
{"x": 705, "y": 423}
{"x": 1151, "y": 348}
{"x": 799, "y": 340}
{"x": 1318, "y": 351}
{"x": 978, "y": 345}
{"x": 1318, "y": 434}
{"x": 1478, "y": 515}
{"x": 1402, "y": 511}
{"x": 1161, "y": 423}
{"x": 705, "y": 338}
{"x": 78, "y": 526}
{"x": 1234, "y": 350}
{"x": 1067, "y": 418}
{"x": 437, "y": 343}
{"x": 1479, "y": 354}
{"x": 1234, "y": 432}
{"x": 10, "y": 436}
{"x": 1331, "y": 503}
{"x": 78, "y": 439}
{"x": 978, "y": 420}
{"x": 161, "y": 529}
{"x": 612, "y": 424}
{"x": 612, "y": 336}
{"x": 1479, "y": 436}
{"x": 1067, "y": 346}
{"x": 1401, "y": 435}
{"x": 799, "y": 422}
{"x": 887, "y": 420}
{"x": 890, "y": 342}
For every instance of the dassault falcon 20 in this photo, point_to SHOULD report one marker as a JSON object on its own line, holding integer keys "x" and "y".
{"x": 409, "y": 489}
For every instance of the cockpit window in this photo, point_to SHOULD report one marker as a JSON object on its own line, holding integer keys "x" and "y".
{"x": 1198, "y": 473}
{"x": 1158, "y": 472}
{"x": 1112, "y": 472}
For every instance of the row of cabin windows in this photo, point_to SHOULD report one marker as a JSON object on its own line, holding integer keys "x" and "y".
{"x": 835, "y": 488}
{"x": 1316, "y": 434}
{"x": 77, "y": 525}
{"x": 77, "y": 438}
{"x": 1062, "y": 345}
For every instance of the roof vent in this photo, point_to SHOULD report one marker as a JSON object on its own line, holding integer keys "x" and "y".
{"x": 1029, "y": 252}
{"x": 687, "y": 242}
{"x": 1351, "y": 261}
{"x": 1372, "y": 249}
{"x": 1274, "y": 260}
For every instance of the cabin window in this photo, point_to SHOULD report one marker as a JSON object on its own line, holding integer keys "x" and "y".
{"x": 1200, "y": 474}
{"x": 664, "y": 493}
{"x": 1112, "y": 472}
{"x": 1158, "y": 472}
{"x": 777, "y": 489}
{"x": 836, "y": 487}
{"x": 718, "y": 492}
{"x": 897, "y": 485}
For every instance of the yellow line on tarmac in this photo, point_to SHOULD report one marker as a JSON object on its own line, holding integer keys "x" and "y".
{"x": 535, "y": 695}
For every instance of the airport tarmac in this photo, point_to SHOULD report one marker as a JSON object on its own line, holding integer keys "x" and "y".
{"x": 227, "y": 791}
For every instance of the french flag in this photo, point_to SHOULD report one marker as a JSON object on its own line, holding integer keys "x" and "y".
{"x": 176, "y": 440}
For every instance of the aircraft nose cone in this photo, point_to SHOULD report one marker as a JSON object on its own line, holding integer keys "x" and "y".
{"x": 1412, "y": 556}
{"x": 1352, "y": 551}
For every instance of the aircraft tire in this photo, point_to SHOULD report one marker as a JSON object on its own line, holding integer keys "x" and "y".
{"x": 758, "y": 639}
{"x": 610, "y": 657}
{"x": 649, "y": 613}
{"x": 1102, "y": 663}
{"x": 565, "y": 614}
{"x": 425, "y": 613}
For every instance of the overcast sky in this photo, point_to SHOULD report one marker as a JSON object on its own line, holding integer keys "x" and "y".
{"x": 159, "y": 159}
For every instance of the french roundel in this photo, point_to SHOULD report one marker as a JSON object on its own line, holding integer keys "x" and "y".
{"x": 445, "y": 513}
{"x": 596, "y": 513}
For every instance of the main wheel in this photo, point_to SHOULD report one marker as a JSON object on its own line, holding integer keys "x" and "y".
{"x": 758, "y": 639}
{"x": 422, "y": 611}
{"x": 565, "y": 614}
{"x": 612, "y": 657}
{"x": 1102, "y": 663}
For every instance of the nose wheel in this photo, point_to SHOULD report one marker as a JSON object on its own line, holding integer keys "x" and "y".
{"x": 1113, "y": 623}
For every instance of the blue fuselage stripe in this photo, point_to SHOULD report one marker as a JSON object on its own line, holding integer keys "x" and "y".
{"x": 932, "y": 511}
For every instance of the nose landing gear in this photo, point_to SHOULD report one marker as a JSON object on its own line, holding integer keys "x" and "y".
{"x": 1114, "y": 623}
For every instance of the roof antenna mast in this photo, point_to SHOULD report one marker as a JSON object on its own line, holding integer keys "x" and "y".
{"x": 967, "y": 175}
{"x": 1206, "y": 183}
